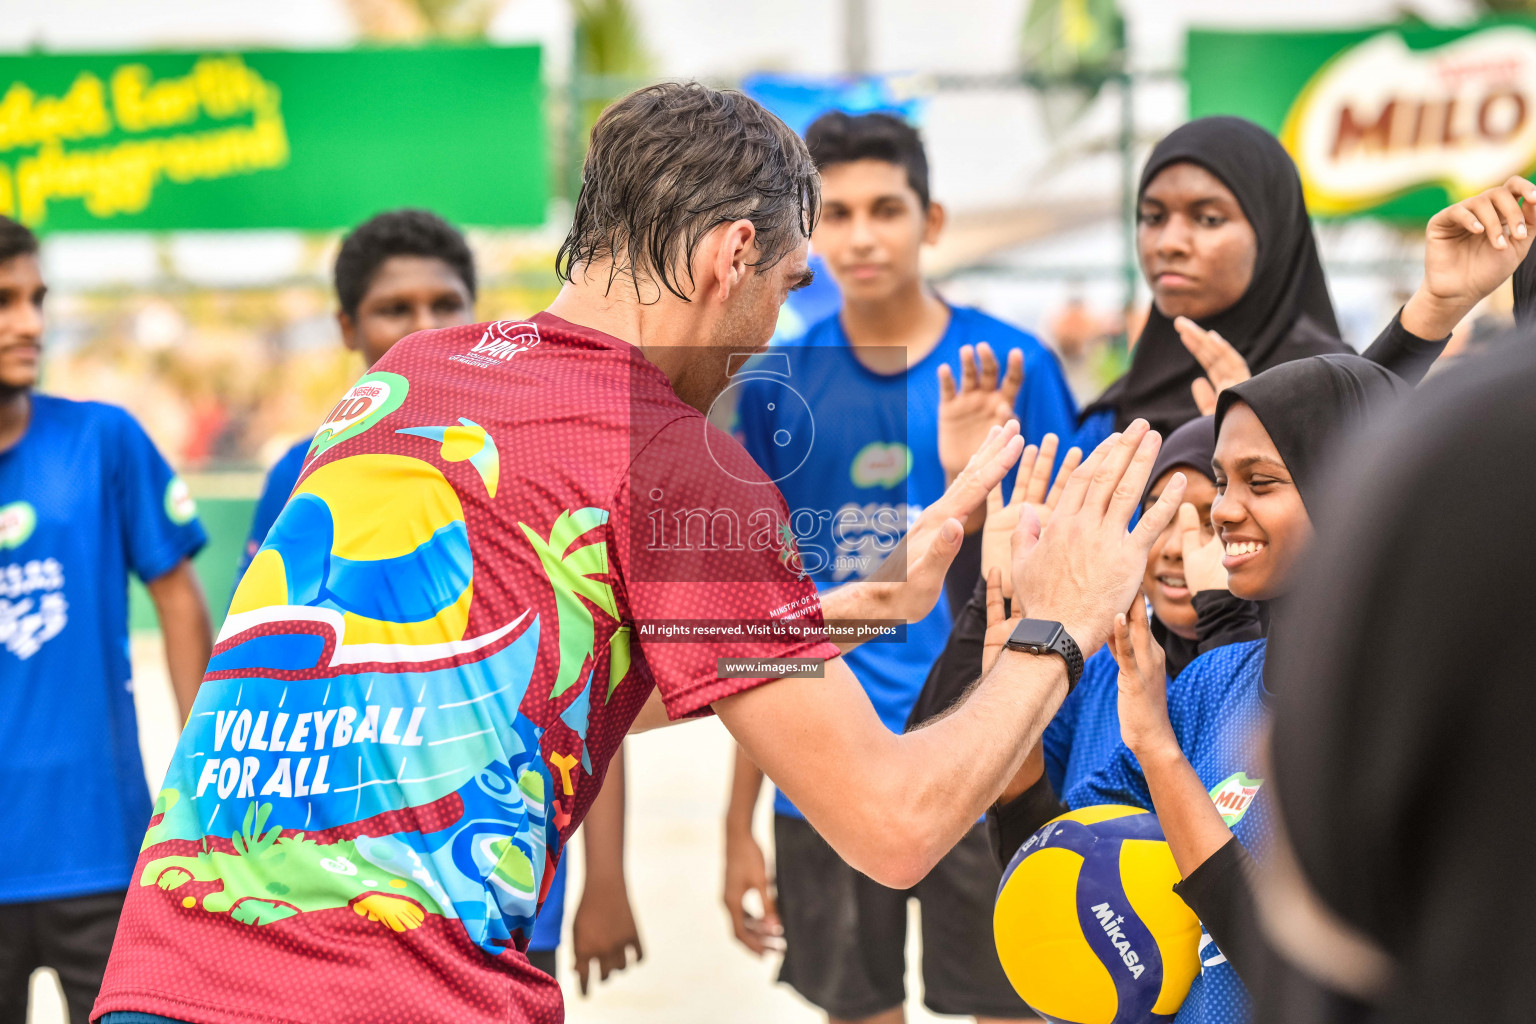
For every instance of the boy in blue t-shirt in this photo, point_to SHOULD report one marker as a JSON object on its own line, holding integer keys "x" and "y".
{"x": 85, "y": 499}
{"x": 846, "y": 423}
{"x": 397, "y": 273}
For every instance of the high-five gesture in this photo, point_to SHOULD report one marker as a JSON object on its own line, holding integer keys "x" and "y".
{"x": 1470, "y": 249}
{"x": 1084, "y": 566}
{"x": 1029, "y": 488}
{"x": 911, "y": 579}
{"x": 979, "y": 403}
{"x": 1224, "y": 365}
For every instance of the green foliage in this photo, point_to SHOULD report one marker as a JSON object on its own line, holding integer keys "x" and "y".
{"x": 456, "y": 19}
{"x": 608, "y": 39}
{"x": 1069, "y": 38}
{"x": 249, "y": 842}
{"x": 570, "y": 567}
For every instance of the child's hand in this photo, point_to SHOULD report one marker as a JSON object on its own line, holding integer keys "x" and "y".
{"x": 1029, "y": 488}
{"x": 1143, "y": 683}
{"x": 980, "y": 403}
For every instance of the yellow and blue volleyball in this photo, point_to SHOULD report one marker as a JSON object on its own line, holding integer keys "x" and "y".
{"x": 1088, "y": 927}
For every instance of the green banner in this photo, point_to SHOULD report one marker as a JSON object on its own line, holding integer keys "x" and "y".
{"x": 1395, "y": 122}
{"x": 265, "y": 139}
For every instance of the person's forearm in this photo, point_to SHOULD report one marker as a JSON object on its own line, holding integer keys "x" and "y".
{"x": 746, "y": 784}
{"x": 1028, "y": 774}
{"x": 603, "y": 828}
{"x": 858, "y": 602}
{"x": 1191, "y": 823}
{"x": 923, "y": 793}
{"x": 187, "y": 631}
{"x": 1430, "y": 318}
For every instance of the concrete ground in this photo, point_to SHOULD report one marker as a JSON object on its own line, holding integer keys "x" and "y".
{"x": 693, "y": 972}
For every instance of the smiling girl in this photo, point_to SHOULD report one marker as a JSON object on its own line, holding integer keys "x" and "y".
{"x": 1187, "y": 751}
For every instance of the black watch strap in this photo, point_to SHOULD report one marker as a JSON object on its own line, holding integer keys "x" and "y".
{"x": 1068, "y": 649}
{"x": 1036, "y": 636}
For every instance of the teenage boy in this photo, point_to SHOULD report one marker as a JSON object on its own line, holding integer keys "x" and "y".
{"x": 398, "y": 273}
{"x": 458, "y": 616}
{"x": 85, "y": 499}
{"x": 871, "y": 383}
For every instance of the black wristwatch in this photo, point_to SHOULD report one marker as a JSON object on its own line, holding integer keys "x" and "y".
{"x": 1041, "y": 636}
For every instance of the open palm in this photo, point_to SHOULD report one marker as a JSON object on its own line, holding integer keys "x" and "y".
{"x": 979, "y": 403}
{"x": 1029, "y": 488}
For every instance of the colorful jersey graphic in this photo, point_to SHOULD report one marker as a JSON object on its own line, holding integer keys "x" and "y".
{"x": 423, "y": 675}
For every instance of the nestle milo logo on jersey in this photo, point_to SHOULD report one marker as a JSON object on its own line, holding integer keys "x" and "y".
{"x": 17, "y": 521}
{"x": 373, "y": 397}
{"x": 1234, "y": 795}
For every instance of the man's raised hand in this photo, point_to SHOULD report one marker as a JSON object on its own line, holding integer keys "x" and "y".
{"x": 1083, "y": 567}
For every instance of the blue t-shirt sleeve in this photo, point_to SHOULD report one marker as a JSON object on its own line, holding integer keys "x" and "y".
{"x": 1117, "y": 781}
{"x": 551, "y": 920}
{"x": 1092, "y": 431}
{"x": 274, "y": 495}
{"x": 1120, "y": 780}
{"x": 157, "y": 515}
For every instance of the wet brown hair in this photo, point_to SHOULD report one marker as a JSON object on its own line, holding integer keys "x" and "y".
{"x": 669, "y": 162}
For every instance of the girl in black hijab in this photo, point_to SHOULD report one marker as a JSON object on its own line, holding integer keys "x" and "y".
{"x": 1085, "y": 730}
{"x": 1187, "y": 752}
{"x": 1225, "y": 240}
{"x": 1402, "y": 717}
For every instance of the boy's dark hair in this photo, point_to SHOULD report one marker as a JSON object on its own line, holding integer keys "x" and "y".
{"x": 398, "y": 233}
{"x": 669, "y": 162}
{"x": 16, "y": 239}
{"x": 839, "y": 138}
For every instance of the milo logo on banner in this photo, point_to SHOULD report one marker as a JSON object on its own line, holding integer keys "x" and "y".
{"x": 374, "y": 396}
{"x": 1381, "y": 119}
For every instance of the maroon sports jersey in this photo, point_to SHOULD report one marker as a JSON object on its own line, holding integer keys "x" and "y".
{"x": 424, "y": 673}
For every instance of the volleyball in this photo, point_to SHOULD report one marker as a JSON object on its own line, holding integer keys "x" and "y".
{"x": 1088, "y": 927}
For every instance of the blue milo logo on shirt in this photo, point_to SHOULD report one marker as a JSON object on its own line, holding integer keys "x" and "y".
{"x": 17, "y": 521}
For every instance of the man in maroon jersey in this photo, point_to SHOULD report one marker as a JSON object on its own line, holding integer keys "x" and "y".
{"x": 507, "y": 540}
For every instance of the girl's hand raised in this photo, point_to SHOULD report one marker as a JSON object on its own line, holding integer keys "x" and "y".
{"x": 1202, "y": 554}
{"x": 1224, "y": 365}
{"x": 1470, "y": 249}
{"x": 1029, "y": 488}
{"x": 980, "y": 402}
{"x": 999, "y": 626}
{"x": 1143, "y": 684}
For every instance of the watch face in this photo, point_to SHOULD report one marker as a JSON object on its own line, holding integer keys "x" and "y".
{"x": 1035, "y": 633}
